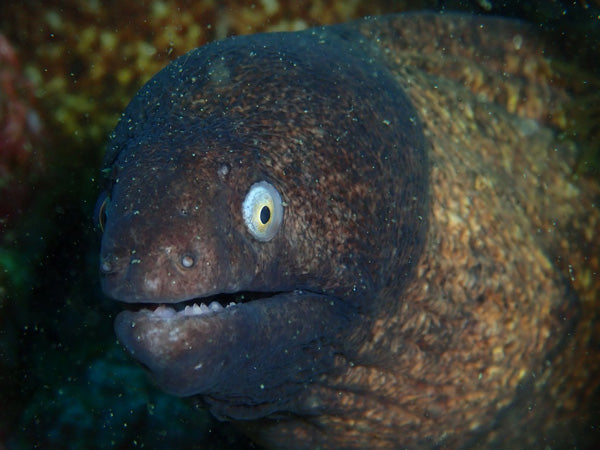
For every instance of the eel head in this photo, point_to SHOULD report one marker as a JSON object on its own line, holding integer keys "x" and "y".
{"x": 260, "y": 192}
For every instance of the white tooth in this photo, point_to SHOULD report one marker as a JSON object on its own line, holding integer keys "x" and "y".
{"x": 195, "y": 309}
{"x": 231, "y": 304}
{"x": 215, "y": 306}
{"x": 164, "y": 311}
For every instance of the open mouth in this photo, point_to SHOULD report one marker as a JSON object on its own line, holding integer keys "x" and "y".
{"x": 241, "y": 341}
{"x": 198, "y": 306}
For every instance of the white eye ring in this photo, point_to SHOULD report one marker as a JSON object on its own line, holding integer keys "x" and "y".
{"x": 262, "y": 211}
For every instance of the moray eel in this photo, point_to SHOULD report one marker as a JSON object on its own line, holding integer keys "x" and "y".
{"x": 363, "y": 235}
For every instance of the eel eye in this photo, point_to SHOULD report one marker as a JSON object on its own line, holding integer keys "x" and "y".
{"x": 100, "y": 210}
{"x": 262, "y": 211}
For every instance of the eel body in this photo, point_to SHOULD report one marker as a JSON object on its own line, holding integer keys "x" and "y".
{"x": 363, "y": 235}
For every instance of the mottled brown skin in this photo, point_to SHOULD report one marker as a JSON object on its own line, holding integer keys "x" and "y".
{"x": 435, "y": 279}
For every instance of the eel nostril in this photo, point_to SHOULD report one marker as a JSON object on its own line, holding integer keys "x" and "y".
{"x": 106, "y": 264}
{"x": 187, "y": 260}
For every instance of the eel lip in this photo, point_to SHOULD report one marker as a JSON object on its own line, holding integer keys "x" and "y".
{"x": 247, "y": 360}
{"x": 187, "y": 346}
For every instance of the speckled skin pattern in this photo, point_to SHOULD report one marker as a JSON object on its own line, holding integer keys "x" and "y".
{"x": 435, "y": 280}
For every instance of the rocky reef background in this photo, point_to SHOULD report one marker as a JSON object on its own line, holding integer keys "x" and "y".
{"x": 67, "y": 70}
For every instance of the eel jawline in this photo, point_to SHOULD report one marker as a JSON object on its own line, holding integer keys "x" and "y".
{"x": 251, "y": 350}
